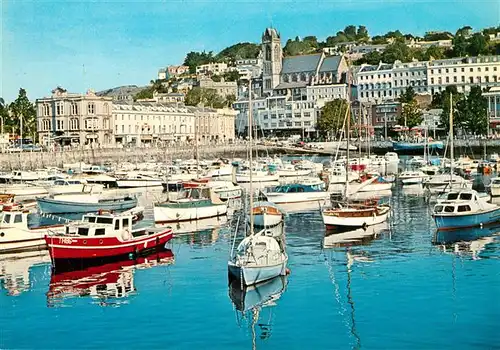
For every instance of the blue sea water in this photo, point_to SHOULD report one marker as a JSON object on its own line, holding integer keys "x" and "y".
{"x": 398, "y": 290}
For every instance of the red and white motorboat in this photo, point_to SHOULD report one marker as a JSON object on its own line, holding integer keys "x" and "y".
{"x": 103, "y": 236}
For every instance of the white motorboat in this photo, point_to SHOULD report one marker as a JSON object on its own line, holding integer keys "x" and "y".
{"x": 133, "y": 180}
{"x": 23, "y": 190}
{"x": 257, "y": 176}
{"x": 17, "y": 236}
{"x": 464, "y": 209}
{"x": 289, "y": 170}
{"x": 370, "y": 183}
{"x": 72, "y": 186}
{"x": 306, "y": 190}
{"x": 446, "y": 182}
{"x": 18, "y": 176}
{"x": 412, "y": 177}
{"x": 191, "y": 204}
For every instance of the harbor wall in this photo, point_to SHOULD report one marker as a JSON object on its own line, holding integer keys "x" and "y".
{"x": 100, "y": 156}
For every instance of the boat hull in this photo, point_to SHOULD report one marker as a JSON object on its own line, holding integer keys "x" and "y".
{"x": 51, "y": 206}
{"x": 20, "y": 240}
{"x": 452, "y": 222}
{"x": 138, "y": 183}
{"x": 339, "y": 222}
{"x": 267, "y": 219}
{"x": 172, "y": 213}
{"x": 78, "y": 248}
{"x": 296, "y": 197}
{"x": 256, "y": 178}
{"x": 253, "y": 275}
{"x": 416, "y": 147}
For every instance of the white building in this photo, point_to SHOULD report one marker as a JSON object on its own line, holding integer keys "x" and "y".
{"x": 249, "y": 67}
{"x": 212, "y": 68}
{"x": 151, "y": 122}
{"x": 388, "y": 81}
{"x": 463, "y": 73}
{"x": 222, "y": 88}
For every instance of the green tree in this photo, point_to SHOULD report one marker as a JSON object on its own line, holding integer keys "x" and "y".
{"x": 238, "y": 51}
{"x": 373, "y": 57}
{"x": 362, "y": 34}
{"x": 397, "y": 51}
{"x": 332, "y": 116}
{"x": 473, "y": 112}
{"x": 407, "y": 96}
{"x": 411, "y": 115}
{"x": 437, "y": 36}
{"x": 445, "y": 115}
{"x": 194, "y": 59}
{"x": 207, "y": 97}
{"x": 379, "y": 40}
{"x": 4, "y": 110}
{"x": 478, "y": 45}
{"x": 434, "y": 52}
{"x": 22, "y": 108}
{"x": 460, "y": 45}
{"x": 145, "y": 93}
{"x": 230, "y": 99}
{"x": 232, "y": 75}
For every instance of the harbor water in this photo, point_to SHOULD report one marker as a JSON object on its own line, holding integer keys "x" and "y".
{"x": 399, "y": 287}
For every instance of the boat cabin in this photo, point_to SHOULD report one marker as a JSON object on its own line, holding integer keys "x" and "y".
{"x": 458, "y": 202}
{"x": 195, "y": 193}
{"x": 294, "y": 188}
{"x": 13, "y": 216}
{"x": 68, "y": 182}
{"x": 107, "y": 224}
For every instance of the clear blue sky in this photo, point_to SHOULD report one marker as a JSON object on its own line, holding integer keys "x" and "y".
{"x": 99, "y": 45}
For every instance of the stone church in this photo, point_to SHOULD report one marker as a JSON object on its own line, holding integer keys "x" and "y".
{"x": 282, "y": 73}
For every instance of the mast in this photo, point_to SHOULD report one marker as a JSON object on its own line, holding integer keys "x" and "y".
{"x": 250, "y": 158}
{"x": 451, "y": 137}
{"x": 196, "y": 154}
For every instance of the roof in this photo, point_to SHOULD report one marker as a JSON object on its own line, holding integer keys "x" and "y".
{"x": 291, "y": 85}
{"x": 303, "y": 63}
{"x": 330, "y": 64}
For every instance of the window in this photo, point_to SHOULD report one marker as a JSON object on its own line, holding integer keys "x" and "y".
{"x": 462, "y": 208}
{"x": 449, "y": 209}
{"x": 466, "y": 196}
{"x": 6, "y": 218}
{"x": 83, "y": 231}
{"x": 59, "y": 108}
{"x": 100, "y": 232}
{"x": 438, "y": 208}
{"x": 74, "y": 108}
{"x": 117, "y": 224}
{"x": 126, "y": 223}
{"x": 46, "y": 109}
{"x": 18, "y": 218}
{"x": 91, "y": 108}
{"x": 102, "y": 220}
{"x": 106, "y": 108}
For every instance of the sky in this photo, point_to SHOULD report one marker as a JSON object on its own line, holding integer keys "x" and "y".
{"x": 103, "y": 44}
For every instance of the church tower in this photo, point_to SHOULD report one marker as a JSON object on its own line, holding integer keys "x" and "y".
{"x": 272, "y": 56}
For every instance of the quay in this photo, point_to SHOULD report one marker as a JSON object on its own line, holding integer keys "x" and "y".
{"x": 37, "y": 160}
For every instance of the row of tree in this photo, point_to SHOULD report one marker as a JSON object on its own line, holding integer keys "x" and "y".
{"x": 463, "y": 44}
{"x": 469, "y": 111}
{"x": 12, "y": 113}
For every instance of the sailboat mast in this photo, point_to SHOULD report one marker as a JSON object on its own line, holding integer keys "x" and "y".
{"x": 250, "y": 158}
{"x": 451, "y": 136}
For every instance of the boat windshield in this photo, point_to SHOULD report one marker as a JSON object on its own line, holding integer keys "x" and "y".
{"x": 6, "y": 218}
{"x": 466, "y": 196}
{"x": 452, "y": 196}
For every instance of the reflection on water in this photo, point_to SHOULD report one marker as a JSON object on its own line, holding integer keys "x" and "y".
{"x": 354, "y": 237}
{"x": 251, "y": 301}
{"x": 109, "y": 284}
{"x": 15, "y": 270}
{"x": 471, "y": 241}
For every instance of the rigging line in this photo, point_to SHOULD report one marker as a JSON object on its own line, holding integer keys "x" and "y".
{"x": 351, "y": 303}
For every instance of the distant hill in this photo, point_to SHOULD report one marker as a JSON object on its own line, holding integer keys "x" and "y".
{"x": 126, "y": 90}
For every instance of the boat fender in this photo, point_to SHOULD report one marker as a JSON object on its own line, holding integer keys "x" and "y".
{"x": 126, "y": 235}
{"x": 364, "y": 226}
{"x": 287, "y": 271}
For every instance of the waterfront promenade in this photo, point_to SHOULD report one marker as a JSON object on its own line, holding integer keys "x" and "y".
{"x": 37, "y": 160}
